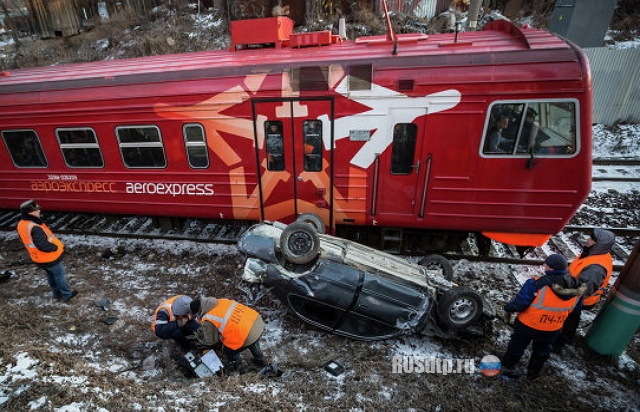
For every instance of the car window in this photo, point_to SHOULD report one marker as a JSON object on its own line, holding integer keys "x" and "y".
{"x": 316, "y": 312}
{"x": 357, "y": 325}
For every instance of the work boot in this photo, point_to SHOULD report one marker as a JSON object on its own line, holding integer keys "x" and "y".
{"x": 259, "y": 362}
{"x": 558, "y": 348}
{"x": 68, "y": 298}
{"x": 509, "y": 360}
{"x": 535, "y": 367}
{"x": 231, "y": 366}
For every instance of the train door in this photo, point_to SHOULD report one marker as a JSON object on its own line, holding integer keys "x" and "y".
{"x": 294, "y": 141}
{"x": 398, "y": 192}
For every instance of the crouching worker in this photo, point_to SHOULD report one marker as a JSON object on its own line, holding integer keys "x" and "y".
{"x": 236, "y": 326}
{"x": 173, "y": 320}
{"x": 541, "y": 314}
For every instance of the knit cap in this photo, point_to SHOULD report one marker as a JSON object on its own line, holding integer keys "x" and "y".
{"x": 180, "y": 306}
{"x": 556, "y": 262}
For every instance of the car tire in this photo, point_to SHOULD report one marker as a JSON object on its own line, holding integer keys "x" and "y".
{"x": 439, "y": 263}
{"x": 299, "y": 243}
{"x": 459, "y": 308}
{"x": 312, "y": 220}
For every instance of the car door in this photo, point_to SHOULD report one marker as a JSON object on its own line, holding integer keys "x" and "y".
{"x": 324, "y": 296}
{"x": 383, "y": 309}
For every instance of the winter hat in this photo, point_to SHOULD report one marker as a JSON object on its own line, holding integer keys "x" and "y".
{"x": 180, "y": 306}
{"x": 29, "y": 206}
{"x": 556, "y": 262}
{"x": 195, "y": 306}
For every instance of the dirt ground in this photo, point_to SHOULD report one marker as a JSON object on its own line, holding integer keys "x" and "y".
{"x": 63, "y": 357}
{"x": 77, "y": 359}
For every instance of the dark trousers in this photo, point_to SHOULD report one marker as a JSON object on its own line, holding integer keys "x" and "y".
{"x": 568, "y": 334}
{"x": 234, "y": 354}
{"x": 522, "y": 336}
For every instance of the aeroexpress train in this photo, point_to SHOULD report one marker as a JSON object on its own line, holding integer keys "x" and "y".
{"x": 486, "y": 132}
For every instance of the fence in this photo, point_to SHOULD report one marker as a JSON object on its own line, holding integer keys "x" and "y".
{"x": 616, "y": 90}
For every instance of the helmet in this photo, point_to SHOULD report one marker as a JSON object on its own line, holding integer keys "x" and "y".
{"x": 29, "y": 206}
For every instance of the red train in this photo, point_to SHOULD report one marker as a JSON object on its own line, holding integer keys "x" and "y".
{"x": 485, "y": 131}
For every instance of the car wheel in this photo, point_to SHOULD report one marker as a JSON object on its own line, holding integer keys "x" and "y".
{"x": 299, "y": 243}
{"x": 312, "y": 220}
{"x": 439, "y": 264}
{"x": 459, "y": 307}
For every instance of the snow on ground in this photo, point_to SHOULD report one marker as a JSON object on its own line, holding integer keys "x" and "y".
{"x": 621, "y": 141}
{"x": 94, "y": 379}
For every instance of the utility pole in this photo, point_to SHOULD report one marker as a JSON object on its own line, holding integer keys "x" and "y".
{"x": 474, "y": 11}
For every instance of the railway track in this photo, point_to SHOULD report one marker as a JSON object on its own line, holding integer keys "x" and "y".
{"x": 616, "y": 162}
{"x": 568, "y": 243}
{"x": 616, "y": 170}
{"x": 139, "y": 227}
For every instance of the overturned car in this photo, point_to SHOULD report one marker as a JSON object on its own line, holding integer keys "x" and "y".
{"x": 354, "y": 290}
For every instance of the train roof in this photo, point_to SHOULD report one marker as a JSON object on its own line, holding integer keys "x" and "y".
{"x": 499, "y": 43}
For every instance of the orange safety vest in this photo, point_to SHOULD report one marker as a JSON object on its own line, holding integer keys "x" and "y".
{"x": 37, "y": 255}
{"x": 547, "y": 312}
{"x": 604, "y": 260}
{"x": 166, "y": 305}
{"x": 233, "y": 321}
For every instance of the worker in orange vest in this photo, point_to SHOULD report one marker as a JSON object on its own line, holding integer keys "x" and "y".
{"x": 236, "y": 326}
{"x": 541, "y": 314}
{"x": 593, "y": 268}
{"x": 45, "y": 250}
{"x": 173, "y": 320}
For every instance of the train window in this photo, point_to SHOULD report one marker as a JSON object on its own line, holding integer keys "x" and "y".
{"x": 403, "y": 148}
{"x": 274, "y": 145}
{"x": 312, "y": 145}
{"x": 360, "y": 77}
{"x": 80, "y": 147}
{"x": 196, "y": 145}
{"x": 313, "y": 78}
{"x": 25, "y": 148}
{"x": 141, "y": 146}
{"x": 531, "y": 128}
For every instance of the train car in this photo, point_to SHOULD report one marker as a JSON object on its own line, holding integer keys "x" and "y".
{"x": 486, "y": 131}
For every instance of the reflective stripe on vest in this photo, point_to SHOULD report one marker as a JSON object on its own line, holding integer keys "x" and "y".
{"x": 604, "y": 260}
{"x": 38, "y": 256}
{"x": 547, "y": 312}
{"x": 233, "y": 321}
{"x": 166, "y": 305}
{"x": 221, "y": 323}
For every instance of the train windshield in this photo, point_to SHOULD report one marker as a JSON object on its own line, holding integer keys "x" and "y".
{"x": 531, "y": 128}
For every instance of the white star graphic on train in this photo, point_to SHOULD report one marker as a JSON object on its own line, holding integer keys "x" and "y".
{"x": 387, "y": 108}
